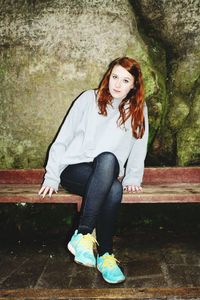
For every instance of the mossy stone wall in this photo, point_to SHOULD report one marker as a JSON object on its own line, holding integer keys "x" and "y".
{"x": 51, "y": 51}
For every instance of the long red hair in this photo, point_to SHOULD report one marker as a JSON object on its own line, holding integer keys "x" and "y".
{"x": 134, "y": 99}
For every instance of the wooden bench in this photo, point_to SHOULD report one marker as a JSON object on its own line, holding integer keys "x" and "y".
{"x": 161, "y": 185}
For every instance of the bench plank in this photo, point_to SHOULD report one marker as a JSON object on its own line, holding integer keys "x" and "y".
{"x": 161, "y": 185}
{"x": 151, "y": 194}
{"x": 151, "y": 175}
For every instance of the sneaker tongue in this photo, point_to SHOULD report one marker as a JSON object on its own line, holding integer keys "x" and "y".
{"x": 106, "y": 254}
{"x": 109, "y": 260}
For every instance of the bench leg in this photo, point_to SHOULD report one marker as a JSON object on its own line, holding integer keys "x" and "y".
{"x": 78, "y": 206}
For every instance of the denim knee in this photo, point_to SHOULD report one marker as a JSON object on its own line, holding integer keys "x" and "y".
{"x": 108, "y": 160}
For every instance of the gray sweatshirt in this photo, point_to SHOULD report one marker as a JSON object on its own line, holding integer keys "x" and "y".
{"x": 85, "y": 134}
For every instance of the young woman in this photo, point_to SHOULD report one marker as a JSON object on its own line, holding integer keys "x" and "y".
{"x": 98, "y": 153}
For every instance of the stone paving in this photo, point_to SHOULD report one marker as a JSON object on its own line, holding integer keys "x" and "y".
{"x": 148, "y": 258}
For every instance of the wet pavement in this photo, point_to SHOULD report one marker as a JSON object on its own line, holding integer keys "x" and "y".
{"x": 149, "y": 258}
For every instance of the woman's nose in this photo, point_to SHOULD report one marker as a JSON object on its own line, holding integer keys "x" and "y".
{"x": 118, "y": 83}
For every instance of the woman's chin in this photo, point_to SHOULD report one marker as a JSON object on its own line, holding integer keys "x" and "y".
{"x": 116, "y": 95}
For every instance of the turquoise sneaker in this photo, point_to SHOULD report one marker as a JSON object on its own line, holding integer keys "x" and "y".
{"x": 81, "y": 246}
{"x": 107, "y": 265}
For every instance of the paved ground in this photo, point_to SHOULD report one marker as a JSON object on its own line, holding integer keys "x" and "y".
{"x": 150, "y": 260}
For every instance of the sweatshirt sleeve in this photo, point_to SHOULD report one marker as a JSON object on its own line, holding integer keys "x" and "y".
{"x": 135, "y": 164}
{"x": 58, "y": 148}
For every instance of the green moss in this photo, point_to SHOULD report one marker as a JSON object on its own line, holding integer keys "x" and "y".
{"x": 188, "y": 139}
{"x": 2, "y": 73}
{"x": 186, "y": 72}
{"x": 34, "y": 104}
{"x": 178, "y": 112}
{"x": 188, "y": 142}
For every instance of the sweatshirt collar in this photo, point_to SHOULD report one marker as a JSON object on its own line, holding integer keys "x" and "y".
{"x": 116, "y": 102}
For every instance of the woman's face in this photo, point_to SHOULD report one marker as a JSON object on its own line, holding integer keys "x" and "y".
{"x": 120, "y": 82}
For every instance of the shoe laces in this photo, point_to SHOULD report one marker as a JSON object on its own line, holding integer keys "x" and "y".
{"x": 109, "y": 261}
{"x": 88, "y": 241}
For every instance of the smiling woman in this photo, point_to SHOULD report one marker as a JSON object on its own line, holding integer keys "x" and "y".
{"x": 100, "y": 151}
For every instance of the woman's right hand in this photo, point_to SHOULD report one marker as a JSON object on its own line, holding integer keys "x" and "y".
{"x": 46, "y": 190}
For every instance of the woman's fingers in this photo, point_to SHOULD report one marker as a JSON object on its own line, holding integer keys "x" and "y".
{"x": 132, "y": 188}
{"x": 129, "y": 188}
{"x": 41, "y": 190}
{"x": 51, "y": 192}
{"x": 137, "y": 189}
{"x": 46, "y": 190}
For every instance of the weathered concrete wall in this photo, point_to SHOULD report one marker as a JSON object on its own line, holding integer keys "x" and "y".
{"x": 50, "y": 51}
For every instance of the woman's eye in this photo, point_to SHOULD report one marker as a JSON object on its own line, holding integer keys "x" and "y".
{"x": 126, "y": 81}
{"x": 114, "y": 76}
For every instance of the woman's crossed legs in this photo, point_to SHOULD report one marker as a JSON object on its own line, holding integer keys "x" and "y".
{"x": 102, "y": 192}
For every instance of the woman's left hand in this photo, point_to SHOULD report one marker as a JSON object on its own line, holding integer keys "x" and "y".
{"x": 132, "y": 189}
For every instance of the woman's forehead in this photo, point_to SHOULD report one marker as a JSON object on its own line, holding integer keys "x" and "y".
{"x": 119, "y": 70}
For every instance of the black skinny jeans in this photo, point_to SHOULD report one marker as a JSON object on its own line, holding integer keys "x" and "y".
{"x": 102, "y": 192}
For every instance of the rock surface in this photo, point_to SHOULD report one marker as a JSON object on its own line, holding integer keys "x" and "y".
{"x": 51, "y": 51}
{"x": 176, "y": 25}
